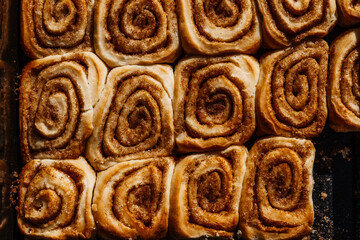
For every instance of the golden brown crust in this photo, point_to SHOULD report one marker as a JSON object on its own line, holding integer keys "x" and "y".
{"x": 56, "y": 27}
{"x": 136, "y": 31}
{"x": 205, "y": 194}
{"x": 291, "y": 94}
{"x": 344, "y": 90}
{"x": 276, "y": 200}
{"x": 131, "y": 199}
{"x": 349, "y": 12}
{"x": 288, "y": 22}
{"x": 57, "y": 94}
{"x": 218, "y": 27}
{"x": 214, "y": 102}
{"x": 134, "y": 117}
{"x": 55, "y": 199}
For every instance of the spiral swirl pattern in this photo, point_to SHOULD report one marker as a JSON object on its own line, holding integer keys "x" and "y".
{"x": 131, "y": 199}
{"x": 136, "y": 31}
{"x": 349, "y": 12}
{"x": 55, "y": 109}
{"x": 214, "y": 102}
{"x": 276, "y": 201}
{"x": 291, "y": 94}
{"x": 288, "y": 21}
{"x": 344, "y": 89}
{"x": 134, "y": 116}
{"x": 55, "y": 199}
{"x": 205, "y": 193}
{"x": 52, "y": 27}
{"x": 220, "y": 26}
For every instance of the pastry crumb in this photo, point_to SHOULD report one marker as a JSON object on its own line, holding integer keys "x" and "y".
{"x": 323, "y": 195}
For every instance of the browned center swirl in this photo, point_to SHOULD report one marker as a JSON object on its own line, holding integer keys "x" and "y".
{"x": 58, "y": 102}
{"x": 350, "y": 86}
{"x": 137, "y": 26}
{"x": 60, "y": 23}
{"x": 279, "y": 186}
{"x": 210, "y": 192}
{"x": 134, "y": 122}
{"x": 214, "y": 104}
{"x": 295, "y": 87}
{"x": 223, "y": 20}
{"x": 136, "y": 198}
{"x": 351, "y": 7}
{"x": 296, "y": 16}
{"x": 51, "y": 199}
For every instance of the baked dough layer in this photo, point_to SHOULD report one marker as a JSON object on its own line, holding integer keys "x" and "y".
{"x": 57, "y": 95}
{"x": 344, "y": 75}
{"x": 131, "y": 199}
{"x": 51, "y": 27}
{"x": 134, "y": 117}
{"x": 349, "y": 12}
{"x": 218, "y": 27}
{"x": 136, "y": 32}
{"x": 205, "y": 194}
{"x": 291, "y": 93}
{"x": 288, "y": 22}
{"x": 55, "y": 199}
{"x": 214, "y": 103}
{"x": 276, "y": 200}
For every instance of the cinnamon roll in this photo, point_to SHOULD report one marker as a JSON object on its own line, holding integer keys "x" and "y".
{"x": 134, "y": 117}
{"x": 276, "y": 200}
{"x": 349, "y": 12}
{"x": 136, "y": 31}
{"x": 214, "y": 102}
{"x": 291, "y": 94}
{"x": 286, "y": 22}
{"x": 57, "y": 95}
{"x": 344, "y": 75}
{"x": 220, "y": 26}
{"x": 55, "y": 199}
{"x": 205, "y": 194}
{"x": 51, "y": 27}
{"x": 131, "y": 199}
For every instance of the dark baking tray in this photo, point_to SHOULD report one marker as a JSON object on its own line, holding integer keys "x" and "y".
{"x": 336, "y": 192}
